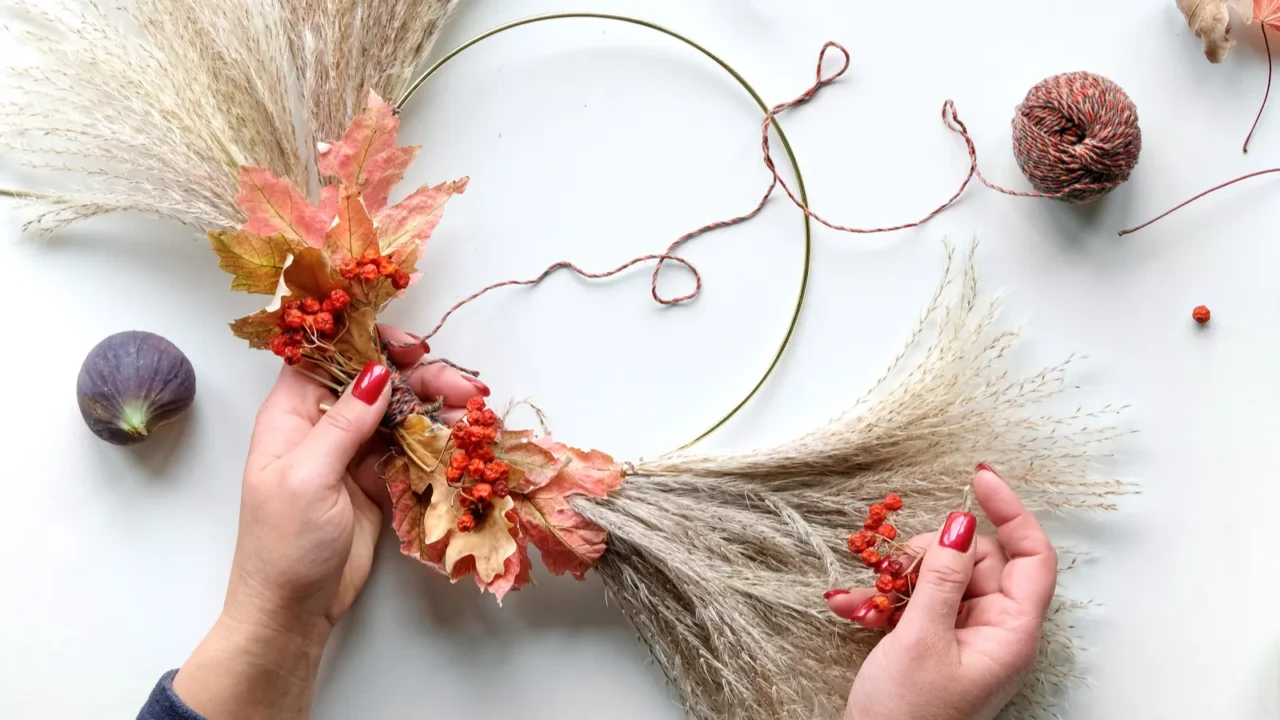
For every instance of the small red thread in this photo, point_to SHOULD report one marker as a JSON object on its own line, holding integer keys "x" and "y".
{"x": 1087, "y": 105}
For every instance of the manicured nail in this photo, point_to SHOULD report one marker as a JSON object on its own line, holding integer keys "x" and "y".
{"x": 484, "y": 389}
{"x": 370, "y": 383}
{"x": 426, "y": 348}
{"x": 957, "y": 531}
{"x": 833, "y": 593}
{"x": 983, "y": 466}
{"x": 863, "y": 614}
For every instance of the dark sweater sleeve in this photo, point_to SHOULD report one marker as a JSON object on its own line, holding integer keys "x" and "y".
{"x": 164, "y": 703}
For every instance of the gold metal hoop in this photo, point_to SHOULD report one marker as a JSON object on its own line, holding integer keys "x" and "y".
{"x": 786, "y": 144}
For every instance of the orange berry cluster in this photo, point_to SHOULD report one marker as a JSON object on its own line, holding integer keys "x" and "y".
{"x": 896, "y": 573}
{"x": 303, "y": 316}
{"x": 371, "y": 266}
{"x": 473, "y": 461}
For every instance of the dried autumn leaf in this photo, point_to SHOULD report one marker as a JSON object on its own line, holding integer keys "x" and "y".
{"x": 404, "y": 229}
{"x": 257, "y": 328}
{"x": 368, "y": 159}
{"x": 256, "y": 261}
{"x": 490, "y": 543}
{"x": 515, "y": 571}
{"x": 275, "y": 205}
{"x": 568, "y": 541}
{"x": 357, "y": 342}
{"x": 309, "y": 274}
{"x": 1211, "y": 22}
{"x": 532, "y": 465}
{"x": 426, "y": 445}
{"x": 353, "y": 233}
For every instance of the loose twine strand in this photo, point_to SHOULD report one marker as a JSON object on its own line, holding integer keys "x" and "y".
{"x": 950, "y": 118}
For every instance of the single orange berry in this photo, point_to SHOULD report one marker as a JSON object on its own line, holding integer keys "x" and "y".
{"x": 483, "y": 453}
{"x": 475, "y": 417}
{"x": 892, "y": 502}
{"x": 310, "y": 306}
{"x": 401, "y": 280}
{"x": 877, "y": 511}
{"x": 1201, "y": 314}
{"x": 887, "y": 531}
{"x": 500, "y": 489}
{"x": 349, "y": 269}
{"x": 900, "y": 585}
{"x": 496, "y": 470}
{"x": 459, "y": 460}
{"x": 482, "y": 492}
{"x": 881, "y": 603}
{"x": 292, "y": 355}
{"x": 293, "y": 318}
{"x": 476, "y": 467}
{"x": 453, "y": 475}
{"x": 387, "y": 268}
{"x": 857, "y": 544}
{"x": 475, "y": 404}
{"x": 872, "y": 523}
{"x": 870, "y": 556}
{"x": 369, "y": 273}
{"x": 370, "y": 255}
{"x": 323, "y": 322}
{"x": 884, "y": 584}
{"x": 466, "y": 522}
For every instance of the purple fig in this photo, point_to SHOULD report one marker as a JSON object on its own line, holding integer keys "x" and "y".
{"x": 131, "y": 383}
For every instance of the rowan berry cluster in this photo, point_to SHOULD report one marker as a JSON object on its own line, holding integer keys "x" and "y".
{"x": 302, "y": 318}
{"x": 897, "y": 572}
{"x": 372, "y": 266}
{"x": 481, "y": 476}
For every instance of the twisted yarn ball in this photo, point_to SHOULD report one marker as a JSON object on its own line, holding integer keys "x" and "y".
{"x": 1076, "y": 136}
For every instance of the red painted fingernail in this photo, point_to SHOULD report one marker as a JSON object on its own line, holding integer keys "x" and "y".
{"x": 484, "y": 389}
{"x": 863, "y": 613}
{"x": 957, "y": 531}
{"x": 833, "y": 593}
{"x": 983, "y": 466}
{"x": 370, "y": 383}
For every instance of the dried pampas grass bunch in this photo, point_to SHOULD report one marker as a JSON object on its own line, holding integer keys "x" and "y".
{"x": 156, "y": 104}
{"x": 720, "y": 559}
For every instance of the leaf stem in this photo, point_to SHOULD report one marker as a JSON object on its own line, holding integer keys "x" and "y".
{"x": 1197, "y": 197}
{"x": 1270, "y": 70}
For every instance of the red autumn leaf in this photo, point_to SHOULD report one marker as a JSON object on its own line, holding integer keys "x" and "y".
{"x": 1267, "y": 12}
{"x": 405, "y": 228}
{"x": 368, "y": 158}
{"x": 353, "y": 233}
{"x": 275, "y": 205}
{"x": 568, "y": 541}
{"x": 532, "y": 465}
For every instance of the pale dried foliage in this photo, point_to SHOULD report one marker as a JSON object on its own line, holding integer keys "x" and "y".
{"x": 720, "y": 559}
{"x": 155, "y": 104}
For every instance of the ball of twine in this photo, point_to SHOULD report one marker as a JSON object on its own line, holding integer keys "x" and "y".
{"x": 1076, "y": 136}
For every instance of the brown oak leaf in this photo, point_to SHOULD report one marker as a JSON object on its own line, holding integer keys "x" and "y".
{"x": 1210, "y": 20}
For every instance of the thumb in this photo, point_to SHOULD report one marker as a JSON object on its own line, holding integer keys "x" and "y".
{"x": 944, "y": 576}
{"x": 340, "y": 434}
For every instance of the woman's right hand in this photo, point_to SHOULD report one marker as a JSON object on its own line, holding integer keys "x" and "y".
{"x": 936, "y": 665}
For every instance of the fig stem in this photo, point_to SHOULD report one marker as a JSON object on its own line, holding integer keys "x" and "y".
{"x": 133, "y": 419}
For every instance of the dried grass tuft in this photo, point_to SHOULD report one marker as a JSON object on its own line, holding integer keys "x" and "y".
{"x": 720, "y": 559}
{"x": 155, "y": 104}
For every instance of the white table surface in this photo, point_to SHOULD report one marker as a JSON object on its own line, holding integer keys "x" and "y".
{"x": 596, "y": 142}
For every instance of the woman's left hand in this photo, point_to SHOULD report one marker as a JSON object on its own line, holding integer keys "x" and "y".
{"x": 310, "y": 517}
